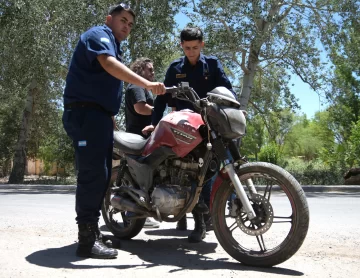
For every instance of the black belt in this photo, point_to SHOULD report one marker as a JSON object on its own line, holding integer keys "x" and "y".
{"x": 87, "y": 105}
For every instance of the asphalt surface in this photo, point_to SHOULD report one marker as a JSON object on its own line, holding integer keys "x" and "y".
{"x": 72, "y": 188}
{"x": 38, "y": 239}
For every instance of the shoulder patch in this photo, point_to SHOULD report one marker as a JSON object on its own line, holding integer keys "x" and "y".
{"x": 176, "y": 61}
{"x": 105, "y": 40}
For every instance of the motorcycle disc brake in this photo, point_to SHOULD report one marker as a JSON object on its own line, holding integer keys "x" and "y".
{"x": 263, "y": 220}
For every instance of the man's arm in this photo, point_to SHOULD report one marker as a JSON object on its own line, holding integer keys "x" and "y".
{"x": 143, "y": 108}
{"x": 161, "y": 101}
{"x": 136, "y": 96}
{"x": 99, "y": 46}
{"x": 122, "y": 72}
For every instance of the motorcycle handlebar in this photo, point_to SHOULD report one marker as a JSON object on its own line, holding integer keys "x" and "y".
{"x": 171, "y": 90}
{"x": 184, "y": 92}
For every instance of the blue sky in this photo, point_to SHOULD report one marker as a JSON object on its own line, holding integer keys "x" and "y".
{"x": 307, "y": 98}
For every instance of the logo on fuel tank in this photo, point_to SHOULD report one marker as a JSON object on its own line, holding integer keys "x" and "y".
{"x": 182, "y": 136}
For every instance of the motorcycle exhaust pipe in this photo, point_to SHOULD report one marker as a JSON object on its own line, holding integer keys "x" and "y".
{"x": 122, "y": 203}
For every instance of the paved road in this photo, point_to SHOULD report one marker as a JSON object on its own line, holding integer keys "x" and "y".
{"x": 38, "y": 237}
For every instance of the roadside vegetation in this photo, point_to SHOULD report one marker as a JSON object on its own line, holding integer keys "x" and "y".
{"x": 261, "y": 45}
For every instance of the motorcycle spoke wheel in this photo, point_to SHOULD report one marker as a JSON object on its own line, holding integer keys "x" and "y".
{"x": 115, "y": 220}
{"x": 282, "y": 216}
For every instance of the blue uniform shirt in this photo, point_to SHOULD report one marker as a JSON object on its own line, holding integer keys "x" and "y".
{"x": 203, "y": 77}
{"x": 87, "y": 81}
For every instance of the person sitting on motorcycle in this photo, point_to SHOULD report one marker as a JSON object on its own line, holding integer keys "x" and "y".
{"x": 92, "y": 97}
{"x": 138, "y": 107}
{"x": 204, "y": 73}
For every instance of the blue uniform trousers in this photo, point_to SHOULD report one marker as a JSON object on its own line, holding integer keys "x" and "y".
{"x": 206, "y": 190}
{"x": 92, "y": 133}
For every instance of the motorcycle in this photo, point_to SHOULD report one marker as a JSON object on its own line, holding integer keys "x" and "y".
{"x": 259, "y": 211}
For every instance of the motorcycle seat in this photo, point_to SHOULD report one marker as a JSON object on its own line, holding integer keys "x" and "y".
{"x": 129, "y": 143}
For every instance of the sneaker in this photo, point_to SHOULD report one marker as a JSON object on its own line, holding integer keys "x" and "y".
{"x": 151, "y": 223}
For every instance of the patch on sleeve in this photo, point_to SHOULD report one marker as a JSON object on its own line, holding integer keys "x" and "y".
{"x": 82, "y": 143}
{"x": 105, "y": 40}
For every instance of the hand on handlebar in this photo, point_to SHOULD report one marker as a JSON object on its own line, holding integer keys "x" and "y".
{"x": 156, "y": 88}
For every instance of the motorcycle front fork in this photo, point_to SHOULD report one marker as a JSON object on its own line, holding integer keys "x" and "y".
{"x": 240, "y": 192}
{"x": 224, "y": 154}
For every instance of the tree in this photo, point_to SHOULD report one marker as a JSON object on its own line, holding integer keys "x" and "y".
{"x": 37, "y": 38}
{"x": 253, "y": 34}
{"x": 353, "y": 155}
{"x": 56, "y": 147}
{"x": 308, "y": 138}
{"x": 153, "y": 37}
{"x": 345, "y": 82}
{"x": 40, "y": 37}
{"x": 343, "y": 94}
{"x": 270, "y": 113}
{"x": 254, "y": 139}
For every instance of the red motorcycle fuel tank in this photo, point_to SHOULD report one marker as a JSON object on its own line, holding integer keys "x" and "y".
{"x": 177, "y": 130}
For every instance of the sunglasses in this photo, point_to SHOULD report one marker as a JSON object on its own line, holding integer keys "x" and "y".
{"x": 120, "y": 7}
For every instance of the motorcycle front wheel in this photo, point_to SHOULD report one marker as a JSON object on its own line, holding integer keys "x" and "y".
{"x": 282, "y": 216}
{"x": 115, "y": 220}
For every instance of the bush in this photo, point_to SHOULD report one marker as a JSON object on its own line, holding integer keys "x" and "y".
{"x": 315, "y": 172}
{"x": 270, "y": 153}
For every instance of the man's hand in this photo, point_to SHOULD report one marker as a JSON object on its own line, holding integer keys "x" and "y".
{"x": 148, "y": 129}
{"x": 157, "y": 88}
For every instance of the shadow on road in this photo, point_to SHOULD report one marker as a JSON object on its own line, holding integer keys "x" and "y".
{"x": 168, "y": 233}
{"x": 175, "y": 252}
{"x": 158, "y": 232}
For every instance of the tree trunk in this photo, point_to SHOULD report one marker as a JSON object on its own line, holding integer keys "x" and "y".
{"x": 18, "y": 170}
{"x": 248, "y": 83}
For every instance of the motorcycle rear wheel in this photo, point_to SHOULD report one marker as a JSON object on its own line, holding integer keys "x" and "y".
{"x": 283, "y": 219}
{"x": 116, "y": 220}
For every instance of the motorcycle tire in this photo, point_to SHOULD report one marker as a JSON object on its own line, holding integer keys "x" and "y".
{"x": 125, "y": 229}
{"x": 261, "y": 244}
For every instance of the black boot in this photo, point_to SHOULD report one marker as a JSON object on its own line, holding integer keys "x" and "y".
{"x": 182, "y": 224}
{"x": 201, "y": 207}
{"x": 91, "y": 245}
{"x": 199, "y": 232}
{"x": 208, "y": 222}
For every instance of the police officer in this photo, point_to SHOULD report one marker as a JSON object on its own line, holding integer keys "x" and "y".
{"x": 204, "y": 73}
{"x": 91, "y": 98}
{"x": 139, "y": 106}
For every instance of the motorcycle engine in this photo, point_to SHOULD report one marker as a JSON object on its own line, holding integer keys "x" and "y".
{"x": 173, "y": 184}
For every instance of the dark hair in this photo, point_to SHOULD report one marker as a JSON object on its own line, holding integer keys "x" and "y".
{"x": 138, "y": 66}
{"x": 191, "y": 34}
{"x": 116, "y": 9}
